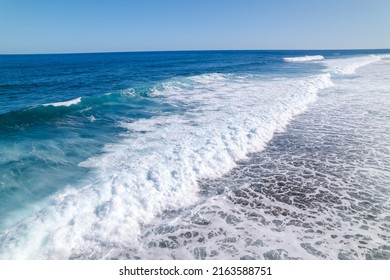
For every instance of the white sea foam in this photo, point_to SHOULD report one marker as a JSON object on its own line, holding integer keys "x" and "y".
{"x": 266, "y": 208}
{"x": 160, "y": 161}
{"x": 305, "y": 58}
{"x": 65, "y": 103}
{"x": 348, "y": 66}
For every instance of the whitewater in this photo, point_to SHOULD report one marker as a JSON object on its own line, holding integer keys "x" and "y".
{"x": 171, "y": 167}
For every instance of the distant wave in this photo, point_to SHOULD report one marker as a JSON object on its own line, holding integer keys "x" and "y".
{"x": 134, "y": 102}
{"x": 65, "y": 103}
{"x": 40, "y": 113}
{"x": 303, "y": 58}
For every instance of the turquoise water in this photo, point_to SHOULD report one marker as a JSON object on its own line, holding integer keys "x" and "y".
{"x": 98, "y": 150}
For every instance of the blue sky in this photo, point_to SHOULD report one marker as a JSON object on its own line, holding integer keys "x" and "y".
{"x": 58, "y": 26}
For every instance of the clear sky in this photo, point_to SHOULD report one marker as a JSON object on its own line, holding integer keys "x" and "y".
{"x": 57, "y": 26}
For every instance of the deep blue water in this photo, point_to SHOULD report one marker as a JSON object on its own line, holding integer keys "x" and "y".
{"x": 93, "y": 146}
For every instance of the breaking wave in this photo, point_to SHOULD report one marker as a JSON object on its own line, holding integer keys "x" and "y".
{"x": 158, "y": 163}
{"x": 305, "y": 58}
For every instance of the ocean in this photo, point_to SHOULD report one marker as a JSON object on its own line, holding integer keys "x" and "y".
{"x": 195, "y": 155}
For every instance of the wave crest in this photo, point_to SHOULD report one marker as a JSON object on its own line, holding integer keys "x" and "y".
{"x": 305, "y": 58}
{"x": 65, "y": 103}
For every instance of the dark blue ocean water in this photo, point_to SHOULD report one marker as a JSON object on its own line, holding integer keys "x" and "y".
{"x": 93, "y": 147}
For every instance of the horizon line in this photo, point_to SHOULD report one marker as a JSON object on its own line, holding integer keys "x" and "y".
{"x": 194, "y": 50}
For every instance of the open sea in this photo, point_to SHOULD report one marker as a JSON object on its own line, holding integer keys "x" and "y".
{"x": 195, "y": 155}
